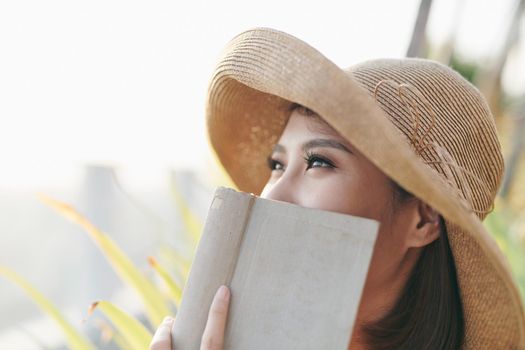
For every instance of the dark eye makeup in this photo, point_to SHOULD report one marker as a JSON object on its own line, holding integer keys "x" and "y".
{"x": 273, "y": 164}
{"x": 313, "y": 160}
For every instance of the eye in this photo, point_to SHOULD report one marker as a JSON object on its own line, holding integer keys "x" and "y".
{"x": 274, "y": 164}
{"x": 317, "y": 161}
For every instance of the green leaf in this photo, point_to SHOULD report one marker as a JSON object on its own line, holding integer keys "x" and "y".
{"x": 75, "y": 339}
{"x": 136, "y": 335}
{"x": 155, "y": 305}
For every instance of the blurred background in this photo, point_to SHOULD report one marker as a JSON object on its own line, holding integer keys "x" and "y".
{"x": 102, "y": 107}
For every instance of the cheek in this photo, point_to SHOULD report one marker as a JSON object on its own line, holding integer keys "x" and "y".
{"x": 389, "y": 240}
{"x": 352, "y": 195}
{"x": 327, "y": 193}
{"x": 387, "y": 256}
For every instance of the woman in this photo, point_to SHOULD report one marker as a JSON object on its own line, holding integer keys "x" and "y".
{"x": 406, "y": 142}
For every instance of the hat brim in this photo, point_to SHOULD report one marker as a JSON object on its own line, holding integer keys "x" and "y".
{"x": 262, "y": 71}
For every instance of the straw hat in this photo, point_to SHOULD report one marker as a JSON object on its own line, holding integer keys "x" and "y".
{"x": 420, "y": 122}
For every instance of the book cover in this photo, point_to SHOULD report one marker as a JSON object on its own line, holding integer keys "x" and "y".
{"x": 296, "y": 274}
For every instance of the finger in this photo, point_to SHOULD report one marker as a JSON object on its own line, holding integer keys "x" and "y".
{"x": 213, "y": 336}
{"x": 162, "y": 337}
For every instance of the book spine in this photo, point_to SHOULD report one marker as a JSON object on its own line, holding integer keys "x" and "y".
{"x": 215, "y": 261}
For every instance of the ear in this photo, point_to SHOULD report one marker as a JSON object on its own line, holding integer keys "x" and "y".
{"x": 425, "y": 226}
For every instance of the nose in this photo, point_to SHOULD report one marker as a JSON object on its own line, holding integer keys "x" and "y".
{"x": 284, "y": 189}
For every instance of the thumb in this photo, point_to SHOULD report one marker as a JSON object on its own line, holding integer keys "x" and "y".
{"x": 162, "y": 337}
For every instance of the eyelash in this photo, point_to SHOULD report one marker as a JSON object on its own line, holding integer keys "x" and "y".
{"x": 272, "y": 163}
{"x": 310, "y": 158}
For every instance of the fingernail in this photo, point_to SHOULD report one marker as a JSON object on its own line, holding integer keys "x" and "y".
{"x": 167, "y": 319}
{"x": 223, "y": 292}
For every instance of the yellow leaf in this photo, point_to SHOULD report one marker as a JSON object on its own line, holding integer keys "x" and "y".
{"x": 135, "y": 334}
{"x": 155, "y": 305}
{"x": 190, "y": 220}
{"x": 75, "y": 339}
{"x": 174, "y": 289}
{"x": 181, "y": 264}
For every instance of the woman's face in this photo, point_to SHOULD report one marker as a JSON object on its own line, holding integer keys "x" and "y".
{"x": 313, "y": 166}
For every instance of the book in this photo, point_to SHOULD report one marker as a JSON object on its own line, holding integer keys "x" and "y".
{"x": 295, "y": 274}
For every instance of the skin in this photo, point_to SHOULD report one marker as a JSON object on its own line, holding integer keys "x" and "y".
{"x": 313, "y": 166}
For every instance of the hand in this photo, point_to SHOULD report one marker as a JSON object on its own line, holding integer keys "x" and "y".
{"x": 213, "y": 336}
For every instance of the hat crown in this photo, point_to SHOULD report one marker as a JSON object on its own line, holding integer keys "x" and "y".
{"x": 445, "y": 119}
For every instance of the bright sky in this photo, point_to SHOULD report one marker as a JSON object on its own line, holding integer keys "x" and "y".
{"x": 124, "y": 82}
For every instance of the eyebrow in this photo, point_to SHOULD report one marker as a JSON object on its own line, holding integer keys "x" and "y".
{"x": 327, "y": 143}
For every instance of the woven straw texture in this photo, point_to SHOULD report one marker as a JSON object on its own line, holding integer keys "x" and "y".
{"x": 418, "y": 121}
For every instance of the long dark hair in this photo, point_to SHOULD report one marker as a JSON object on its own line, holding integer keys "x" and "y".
{"x": 428, "y": 313}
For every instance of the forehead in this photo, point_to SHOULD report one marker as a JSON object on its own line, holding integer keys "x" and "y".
{"x": 315, "y": 123}
{"x": 301, "y": 126}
